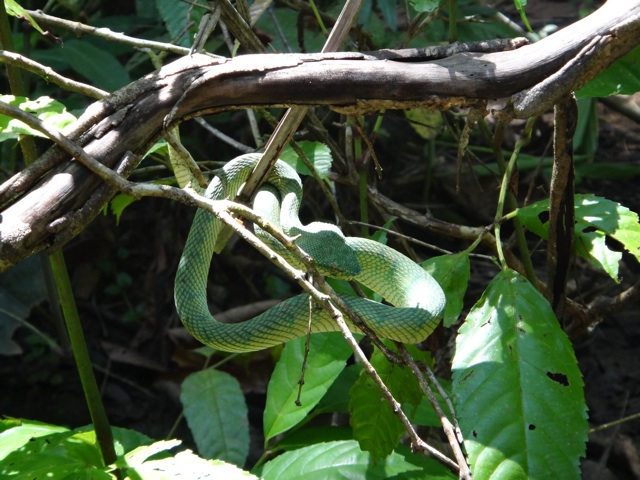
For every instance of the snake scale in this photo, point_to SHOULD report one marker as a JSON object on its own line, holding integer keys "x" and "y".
{"x": 417, "y": 298}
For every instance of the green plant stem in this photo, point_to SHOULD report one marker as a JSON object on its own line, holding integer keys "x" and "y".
{"x": 104, "y": 435}
{"x": 61, "y": 276}
{"x": 510, "y": 199}
{"x": 503, "y": 198}
{"x": 362, "y": 187}
{"x": 453, "y": 25}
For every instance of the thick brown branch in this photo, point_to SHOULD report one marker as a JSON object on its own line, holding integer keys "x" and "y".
{"x": 131, "y": 119}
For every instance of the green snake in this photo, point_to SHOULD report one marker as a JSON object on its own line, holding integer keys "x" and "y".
{"x": 419, "y": 300}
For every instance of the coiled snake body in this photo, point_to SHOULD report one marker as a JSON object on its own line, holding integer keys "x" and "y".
{"x": 419, "y": 300}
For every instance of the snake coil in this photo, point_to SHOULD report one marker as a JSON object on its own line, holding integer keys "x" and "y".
{"x": 417, "y": 298}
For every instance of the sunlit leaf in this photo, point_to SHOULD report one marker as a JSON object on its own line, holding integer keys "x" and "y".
{"x": 520, "y": 4}
{"x": 51, "y": 112}
{"x": 452, "y": 272}
{"x": 13, "y": 8}
{"x": 344, "y": 459}
{"x": 597, "y": 219}
{"x": 517, "y": 388}
{"x": 328, "y": 354}
{"x": 318, "y": 154}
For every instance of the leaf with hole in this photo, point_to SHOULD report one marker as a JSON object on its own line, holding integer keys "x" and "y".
{"x": 603, "y": 229}
{"x": 517, "y": 388}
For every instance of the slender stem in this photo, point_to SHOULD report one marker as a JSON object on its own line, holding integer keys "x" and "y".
{"x": 104, "y": 435}
{"x": 507, "y": 197}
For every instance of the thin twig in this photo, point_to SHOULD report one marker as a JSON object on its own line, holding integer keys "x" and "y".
{"x": 221, "y": 136}
{"x": 81, "y": 29}
{"x": 452, "y": 433}
{"x": 49, "y": 75}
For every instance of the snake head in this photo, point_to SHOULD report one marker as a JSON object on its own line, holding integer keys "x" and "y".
{"x": 327, "y": 245}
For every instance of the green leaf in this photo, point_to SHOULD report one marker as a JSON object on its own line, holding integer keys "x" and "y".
{"x": 161, "y": 147}
{"x": 376, "y": 428}
{"x": 608, "y": 171}
{"x": 181, "y": 19}
{"x": 184, "y": 464}
{"x": 336, "y": 400}
{"x": 97, "y": 65}
{"x": 425, "y": 414}
{"x": 13, "y": 8}
{"x": 452, "y": 272}
{"x": 344, "y": 459}
{"x": 53, "y": 113}
{"x": 596, "y": 219}
{"x": 426, "y": 6}
{"x": 426, "y": 123}
{"x": 328, "y": 354}
{"x": 307, "y": 436}
{"x": 517, "y": 387}
{"x": 621, "y": 78}
{"x": 17, "y": 433}
{"x": 56, "y": 456}
{"x": 216, "y": 412}
{"x": 21, "y": 289}
{"x": 388, "y": 9}
{"x": 318, "y": 154}
{"x": 118, "y": 205}
{"x": 139, "y": 455}
{"x": 520, "y": 4}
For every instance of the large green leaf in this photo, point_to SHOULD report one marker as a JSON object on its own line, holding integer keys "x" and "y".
{"x": 389, "y": 11}
{"x": 181, "y": 19}
{"x": 375, "y": 426}
{"x": 623, "y": 77}
{"x": 186, "y": 465}
{"x": 97, "y": 65}
{"x": 51, "y": 112}
{"x": 57, "y": 456}
{"x": 336, "y": 400}
{"x": 217, "y": 415}
{"x": 344, "y": 459}
{"x": 328, "y": 354}
{"x": 517, "y": 387}
{"x": 452, "y": 272}
{"x": 21, "y": 289}
{"x": 16, "y": 433}
{"x": 596, "y": 219}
